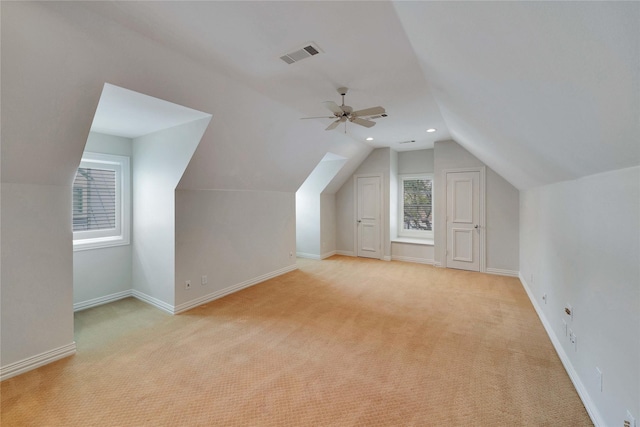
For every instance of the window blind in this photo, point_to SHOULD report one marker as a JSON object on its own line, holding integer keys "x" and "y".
{"x": 417, "y": 204}
{"x": 94, "y": 199}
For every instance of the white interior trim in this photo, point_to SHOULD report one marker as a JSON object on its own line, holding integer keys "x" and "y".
{"x": 501, "y": 272}
{"x": 413, "y": 234}
{"x": 231, "y": 289}
{"x": 412, "y": 259}
{"x": 328, "y": 254}
{"x": 153, "y": 301}
{"x": 306, "y": 255}
{"x": 413, "y": 241}
{"x": 589, "y": 405}
{"x": 83, "y": 305}
{"x": 345, "y": 253}
{"x": 86, "y": 240}
{"x": 30, "y": 363}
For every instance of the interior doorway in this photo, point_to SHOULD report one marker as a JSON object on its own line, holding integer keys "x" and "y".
{"x": 465, "y": 220}
{"x": 368, "y": 216}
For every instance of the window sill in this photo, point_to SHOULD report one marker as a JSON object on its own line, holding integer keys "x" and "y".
{"x": 413, "y": 241}
{"x": 99, "y": 243}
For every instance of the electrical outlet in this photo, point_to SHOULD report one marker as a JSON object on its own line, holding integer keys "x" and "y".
{"x": 629, "y": 421}
{"x": 290, "y": 254}
{"x": 187, "y": 284}
{"x": 598, "y": 379}
{"x": 574, "y": 340}
{"x": 203, "y": 280}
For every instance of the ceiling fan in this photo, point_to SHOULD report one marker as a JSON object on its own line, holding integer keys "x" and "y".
{"x": 343, "y": 113}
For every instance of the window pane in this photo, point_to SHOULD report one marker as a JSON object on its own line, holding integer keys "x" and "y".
{"x": 417, "y": 204}
{"x": 94, "y": 199}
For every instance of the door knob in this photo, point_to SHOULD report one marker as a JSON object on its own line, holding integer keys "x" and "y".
{"x": 476, "y": 226}
{"x": 359, "y": 221}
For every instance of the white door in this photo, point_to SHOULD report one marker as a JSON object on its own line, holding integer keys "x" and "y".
{"x": 368, "y": 211}
{"x": 463, "y": 215}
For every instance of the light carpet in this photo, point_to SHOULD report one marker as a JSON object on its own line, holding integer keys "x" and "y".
{"x": 339, "y": 342}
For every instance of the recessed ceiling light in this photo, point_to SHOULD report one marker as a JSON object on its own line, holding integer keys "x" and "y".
{"x": 370, "y": 139}
{"x": 431, "y": 130}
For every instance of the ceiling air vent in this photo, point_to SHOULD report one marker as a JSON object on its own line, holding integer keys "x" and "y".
{"x": 407, "y": 142}
{"x": 298, "y": 55}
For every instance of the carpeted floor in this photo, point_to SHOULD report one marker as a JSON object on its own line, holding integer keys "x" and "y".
{"x": 340, "y": 342}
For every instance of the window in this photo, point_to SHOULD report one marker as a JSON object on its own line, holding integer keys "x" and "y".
{"x": 416, "y": 206}
{"x": 100, "y": 202}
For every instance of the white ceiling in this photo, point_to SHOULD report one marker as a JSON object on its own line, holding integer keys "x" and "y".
{"x": 540, "y": 91}
{"x": 365, "y": 49}
{"x": 130, "y": 114}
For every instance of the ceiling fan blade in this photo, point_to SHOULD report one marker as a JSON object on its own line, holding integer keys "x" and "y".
{"x": 333, "y": 125}
{"x": 322, "y": 117}
{"x": 363, "y": 122}
{"x": 369, "y": 111}
{"x": 333, "y": 107}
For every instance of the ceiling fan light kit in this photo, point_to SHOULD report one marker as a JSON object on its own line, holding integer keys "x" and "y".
{"x": 343, "y": 113}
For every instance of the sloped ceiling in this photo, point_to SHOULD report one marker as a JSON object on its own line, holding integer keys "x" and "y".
{"x": 363, "y": 43}
{"x": 129, "y": 114}
{"x": 540, "y": 91}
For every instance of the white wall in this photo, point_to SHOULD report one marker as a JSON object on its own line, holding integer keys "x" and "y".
{"x": 580, "y": 244}
{"x": 102, "y": 272}
{"x": 235, "y": 238}
{"x": 307, "y": 224}
{"x": 501, "y": 204}
{"x": 417, "y": 161}
{"x": 378, "y": 162}
{"x": 160, "y": 159}
{"x": 327, "y": 225}
{"x": 309, "y": 210}
{"x": 412, "y": 252}
{"x": 42, "y": 143}
{"x": 36, "y": 274}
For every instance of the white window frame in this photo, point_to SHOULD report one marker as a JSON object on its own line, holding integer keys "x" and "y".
{"x": 120, "y": 235}
{"x": 416, "y": 234}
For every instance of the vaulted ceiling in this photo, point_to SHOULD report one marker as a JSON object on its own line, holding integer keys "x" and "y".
{"x": 540, "y": 91}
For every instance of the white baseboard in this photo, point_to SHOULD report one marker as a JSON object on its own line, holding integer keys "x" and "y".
{"x": 501, "y": 272}
{"x": 24, "y": 365}
{"x": 231, "y": 289}
{"x": 153, "y": 301}
{"x": 437, "y": 264}
{"x": 386, "y": 258}
{"x": 589, "y": 405}
{"x": 306, "y": 255}
{"x": 411, "y": 259}
{"x": 345, "y": 253}
{"x": 101, "y": 300}
{"x": 327, "y": 254}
